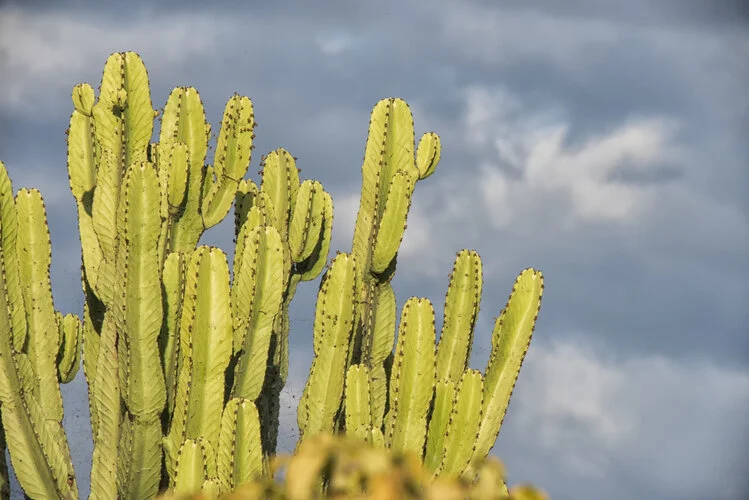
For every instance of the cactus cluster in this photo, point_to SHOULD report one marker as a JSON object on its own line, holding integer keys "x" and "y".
{"x": 185, "y": 354}
{"x": 174, "y": 351}
{"x": 39, "y": 349}
{"x": 409, "y": 395}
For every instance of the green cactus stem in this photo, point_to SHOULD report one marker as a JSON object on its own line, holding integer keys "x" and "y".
{"x": 205, "y": 347}
{"x": 510, "y": 340}
{"x": 33, "y": 356}
{"x": 412, "y": 380}
{"x": 333, "y": 325}
{"x": 240, "y": 451}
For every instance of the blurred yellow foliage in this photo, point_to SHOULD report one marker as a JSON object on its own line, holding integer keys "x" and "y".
{"x": 339, "y": 467}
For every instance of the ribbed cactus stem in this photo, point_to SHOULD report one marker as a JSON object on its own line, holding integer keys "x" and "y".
{"x": 29, "y": 370}
{"x": 412, "y": 379}
{"x": 333, "y": 326}
{"x": 461, "y": 311}
{"x": 510, "y": 340}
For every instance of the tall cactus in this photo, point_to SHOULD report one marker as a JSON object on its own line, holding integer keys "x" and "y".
{"x": 412, "y": 396}
{"x": 390, "y": 170}
{"x": 38, "y": 349}
{"x": 302, "y": 215}
{"x": 165, "y": 331}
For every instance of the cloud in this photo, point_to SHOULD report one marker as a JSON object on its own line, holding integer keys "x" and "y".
{"x": 45, "y": 50}
{"x": 541, "y": 162}
{"x": 595, "y": 415}
{"x": 334, "y": 43}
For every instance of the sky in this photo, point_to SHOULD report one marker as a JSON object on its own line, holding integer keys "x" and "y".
{"x": 602, "y": 142}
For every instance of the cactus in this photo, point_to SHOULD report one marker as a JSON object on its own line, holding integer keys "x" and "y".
{"x": 38, "y": 350}
{"x": 412, "y": 396}
{"x": 185, "y": 360}
{"x": 302, "y": 215}
{"x": 169, "y": 342}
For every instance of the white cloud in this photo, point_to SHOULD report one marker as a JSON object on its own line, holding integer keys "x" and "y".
{"x": 677, "y": 424}
{"x": 530, "y": 159}
{"x": 334, "y": 43}
{"x": 47, "y": 50}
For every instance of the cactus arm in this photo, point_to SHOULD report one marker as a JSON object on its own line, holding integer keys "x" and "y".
{"x": 204, "y": 352}
{"x": 69, "y": 355}
{"x": 172, "y": 163}
{"x": 444, "y": 399}
{"x": 9, "y": 254}
{"x": 376, "y": 173}
{"x": 261, "y": 275}
{"x": 463, "y": 427}
{"x": 384, "y": 323}
{"x": 310, "y": 268}
{"x": 82, "y": 175}
{"x": 306, "y": 220}
{"x": 105, "y": 393}
{"x": 142, "y": 379}
{"x": 145, "y": 394}
{"x": 428, "y": 154}
{"x": 43, "y": 468}
{"x": 244, "y": 201}
{"x": 173, "y": 278}
{"x": 179, "y": 421}
{"x": 461, "y": 311}
{"x": 138, "y": 110}
{"x": 358, "y": 414}
{"x": 389, "y": 174}
{"x": 240, "y": 453}
{"x": 35, "y": 438}
{"x": 83, "y": 101}
{"x": 333, "y": 325}
{"x": 232, "y": 160}
{"x": 281, "y": 183}
{"x": 123, "y": 120}
{"x": 412, "y": 382}
{"x": 256, "y": 216}
{"x": 392, "y": 221}
{"x": 183, "y": 121}
{"x": 510, "y": 338}
{"x": 104, "y": 206}
{"x": 140, "y": 467}
{"x": 383, "y": 337}
{"x": 210, "y": 338}
{"x": 191, "y": 468}
{"x": 89, "y": 354}
{"x": 43, "y": 336}
{"x": 304, "y": 256}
